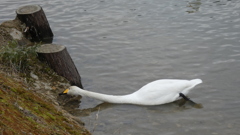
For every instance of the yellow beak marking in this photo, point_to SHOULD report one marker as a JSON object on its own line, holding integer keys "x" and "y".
{"x": 66, "y": 91}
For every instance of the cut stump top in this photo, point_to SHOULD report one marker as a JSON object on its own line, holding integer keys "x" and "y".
{"x": 29, "y": 9}
{"x": 50, "y": 48}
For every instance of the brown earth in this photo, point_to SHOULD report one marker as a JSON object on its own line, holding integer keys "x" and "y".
{"x": 29, "y": 102}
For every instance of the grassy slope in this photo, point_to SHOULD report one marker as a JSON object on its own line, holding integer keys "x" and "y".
{"x": 24, "y": 112}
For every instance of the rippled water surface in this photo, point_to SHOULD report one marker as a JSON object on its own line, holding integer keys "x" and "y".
{"x": 120, "y": 45}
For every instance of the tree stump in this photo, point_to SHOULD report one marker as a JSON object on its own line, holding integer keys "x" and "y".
{"x": 37, "y": 27}
{"x": 60, "y": 61}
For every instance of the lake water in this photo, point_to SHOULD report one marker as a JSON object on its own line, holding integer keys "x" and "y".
{"x": 120, "y": 45}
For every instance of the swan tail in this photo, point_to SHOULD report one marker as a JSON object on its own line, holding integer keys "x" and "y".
{"x": 196, "y": 81}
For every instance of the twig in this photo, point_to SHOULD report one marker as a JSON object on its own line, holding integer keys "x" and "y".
{"x": 96, "y": 120}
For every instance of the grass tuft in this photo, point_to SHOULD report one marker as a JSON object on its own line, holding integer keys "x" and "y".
{"x": 17, "y": 57}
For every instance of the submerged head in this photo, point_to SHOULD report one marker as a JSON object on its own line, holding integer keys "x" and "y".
{"x": 72, "y": 90}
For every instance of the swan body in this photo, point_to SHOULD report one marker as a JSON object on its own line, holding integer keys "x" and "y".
{"x": 154, "y": 93}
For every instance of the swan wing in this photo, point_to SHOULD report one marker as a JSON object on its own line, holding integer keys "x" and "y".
{"x": 163, "y": 91}
{"x": 164, "y": 86}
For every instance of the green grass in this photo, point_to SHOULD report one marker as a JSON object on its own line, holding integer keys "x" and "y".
{"x": 17, "y": 57}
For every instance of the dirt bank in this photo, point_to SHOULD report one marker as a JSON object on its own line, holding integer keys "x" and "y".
{"x": 29, "y": 101}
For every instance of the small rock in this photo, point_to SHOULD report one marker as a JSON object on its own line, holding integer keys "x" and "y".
{"x": 16, "y": 34}
{"x": 33, "y": 76}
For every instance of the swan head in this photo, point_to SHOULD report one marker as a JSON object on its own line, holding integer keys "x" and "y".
{"x": 72, "y": 90}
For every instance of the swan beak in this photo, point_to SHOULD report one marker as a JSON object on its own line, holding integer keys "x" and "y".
{"x": 64, "y": 92}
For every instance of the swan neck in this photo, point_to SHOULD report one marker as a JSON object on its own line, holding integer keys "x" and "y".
{"x": 106, "y": 98}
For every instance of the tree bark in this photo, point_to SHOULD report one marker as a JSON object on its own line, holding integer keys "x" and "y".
{"x": 37, "y": 26}
{"x": 60, "y": 61}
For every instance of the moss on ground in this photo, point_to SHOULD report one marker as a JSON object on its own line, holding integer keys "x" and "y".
{"x": 24, "y": 112}
{"x": 28, "y": 104}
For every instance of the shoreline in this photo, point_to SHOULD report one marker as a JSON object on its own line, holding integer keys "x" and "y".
{"x": 42, "y": 83}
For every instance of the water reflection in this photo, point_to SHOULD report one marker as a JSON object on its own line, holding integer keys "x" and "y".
{"x": 194, "y": 5}
{"x": 72, "y": 105}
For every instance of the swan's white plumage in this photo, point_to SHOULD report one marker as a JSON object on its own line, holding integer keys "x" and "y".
{"x": 154, "y": 93}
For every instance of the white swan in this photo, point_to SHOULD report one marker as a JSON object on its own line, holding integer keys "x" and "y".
{"x": 154, "y": 93}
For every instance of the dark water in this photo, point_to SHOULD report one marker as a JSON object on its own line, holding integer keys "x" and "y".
{"x": 120, "y": 45}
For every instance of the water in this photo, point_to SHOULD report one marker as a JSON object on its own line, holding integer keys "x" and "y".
{"x": 119, "y": 46}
